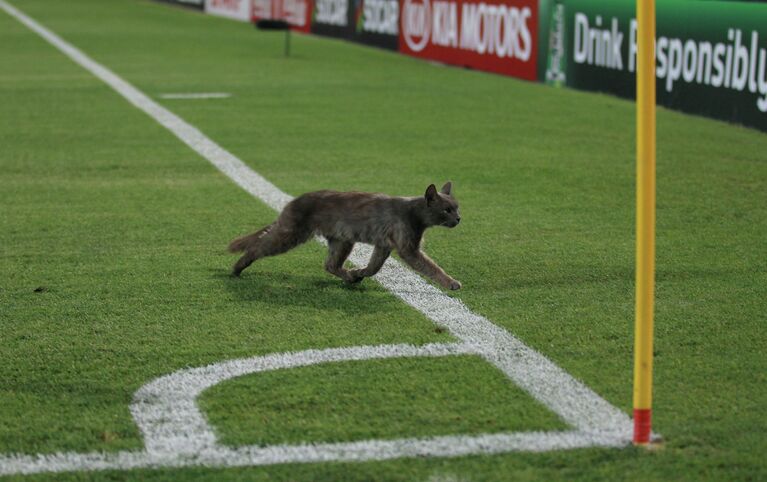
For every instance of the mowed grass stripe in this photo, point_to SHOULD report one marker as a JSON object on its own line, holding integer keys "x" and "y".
{"x": 106, "y": 73}
{"x": 274, "y": 197}
{"x": 548, "y": 384}
{"x": 546, "y": 180}
{"x": 125, "y": 239}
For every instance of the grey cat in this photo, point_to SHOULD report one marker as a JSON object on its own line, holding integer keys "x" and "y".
{"x": 345, "y": 218}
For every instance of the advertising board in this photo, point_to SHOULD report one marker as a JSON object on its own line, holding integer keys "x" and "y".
{"x": 332, "y": 18}
{"x": 187, "y": 3}
{"x": 234, "y": 9}
{"x": 376, "y": 22}
{"x": 710, "y": 59}
{"x": 492, "y": 35}
{"x": 297, "y": 13}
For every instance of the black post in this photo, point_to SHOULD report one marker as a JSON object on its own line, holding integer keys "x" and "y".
{"x": 287, "y": 42}
{"x": 272, "y": 24}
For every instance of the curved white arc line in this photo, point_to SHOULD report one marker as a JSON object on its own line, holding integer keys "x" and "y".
{"x": 166, "y": 410}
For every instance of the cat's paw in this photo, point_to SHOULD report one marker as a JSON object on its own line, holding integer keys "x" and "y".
{"x": 455, "y": 285}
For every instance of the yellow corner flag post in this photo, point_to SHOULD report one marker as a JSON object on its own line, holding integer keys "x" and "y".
{"x": 645, "y": 221}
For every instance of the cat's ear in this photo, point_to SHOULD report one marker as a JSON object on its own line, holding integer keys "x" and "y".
{"x": 447, "y": 188}
{"x": 431, "y": 194}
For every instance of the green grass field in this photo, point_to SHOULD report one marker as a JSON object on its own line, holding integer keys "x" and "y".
{"x": 113, "y": 268}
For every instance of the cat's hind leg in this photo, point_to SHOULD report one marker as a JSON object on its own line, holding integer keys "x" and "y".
{"x": 377, "y": 260}
{"x": 242, "y": 263}
{"x": 338, "y": 251}
{"x": 276, "y": 240}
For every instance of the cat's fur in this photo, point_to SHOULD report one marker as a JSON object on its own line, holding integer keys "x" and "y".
{"x": 345, "y": 218}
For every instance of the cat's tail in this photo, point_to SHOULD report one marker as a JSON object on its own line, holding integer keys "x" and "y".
{"x": 248, "y": 241}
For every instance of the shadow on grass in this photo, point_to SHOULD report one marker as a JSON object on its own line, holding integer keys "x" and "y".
{"x": 319, "y": 291}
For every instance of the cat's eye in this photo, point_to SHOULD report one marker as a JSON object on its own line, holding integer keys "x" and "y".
{"x": 449, "y": 210}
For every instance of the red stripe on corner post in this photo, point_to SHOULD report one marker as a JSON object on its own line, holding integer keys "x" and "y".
{"x": 642, "y": 424}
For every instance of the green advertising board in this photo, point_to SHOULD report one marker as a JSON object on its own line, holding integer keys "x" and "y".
{"x": 711, "y": 56}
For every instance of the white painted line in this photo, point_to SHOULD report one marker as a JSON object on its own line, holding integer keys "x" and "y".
{"x": 178, "y": 435}
{"x": 361, "y": 451}
{"x": 597, "y": 422}
{"x": 14, "y": 464}
{"x": 575, "y": 403}
{"x": 166, "y": 409}
{"x": 446, "y": 446}
{"x": 245, "y": 177}
{"x": 199, "y": 95}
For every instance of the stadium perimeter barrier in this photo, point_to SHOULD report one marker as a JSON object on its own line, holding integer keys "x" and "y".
{"x": 711, "y": 54}
{"x": 199, "y": 4}
{"x": 233, "y": 9}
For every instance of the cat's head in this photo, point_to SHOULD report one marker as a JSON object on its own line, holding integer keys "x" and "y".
{"x": 441, "y": 207}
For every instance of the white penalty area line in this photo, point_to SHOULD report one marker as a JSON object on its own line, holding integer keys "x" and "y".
{"x": 177, "y": 435}
{"x": 186, "y": 439}
{"x": 366, "y": 450}
{"x": 196, "y": 95}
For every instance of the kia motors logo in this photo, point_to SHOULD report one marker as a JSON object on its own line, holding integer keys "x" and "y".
{"x": 416, "y": 23}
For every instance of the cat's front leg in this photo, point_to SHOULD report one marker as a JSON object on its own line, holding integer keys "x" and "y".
{"x": 455, "y": 285}
{"x": 418, "y": 260}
